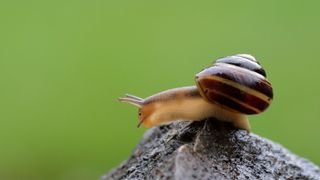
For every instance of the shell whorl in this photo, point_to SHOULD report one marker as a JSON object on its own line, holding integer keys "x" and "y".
{"x": 237, "y": 83}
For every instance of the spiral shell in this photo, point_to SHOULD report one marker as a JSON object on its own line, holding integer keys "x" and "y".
{"x": 237, "y": 83}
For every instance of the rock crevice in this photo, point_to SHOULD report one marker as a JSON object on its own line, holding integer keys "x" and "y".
{"x": 210, "y": 150}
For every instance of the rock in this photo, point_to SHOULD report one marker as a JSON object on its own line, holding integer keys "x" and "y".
{"x": 210, "y": 150}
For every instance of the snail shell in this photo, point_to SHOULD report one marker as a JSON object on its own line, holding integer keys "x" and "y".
{"x": 230, "y": 89}
{"x": 237, "y": 83}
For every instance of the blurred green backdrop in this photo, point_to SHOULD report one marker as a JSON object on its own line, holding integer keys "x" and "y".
{"x": 63, "y": 64}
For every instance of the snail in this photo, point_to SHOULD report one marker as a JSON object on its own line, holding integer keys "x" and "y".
{"x": 229, "y": 90}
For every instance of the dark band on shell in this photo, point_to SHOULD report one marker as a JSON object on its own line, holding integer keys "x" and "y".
{"x": 237, "y": 83}
{"x": 243, "y": 62}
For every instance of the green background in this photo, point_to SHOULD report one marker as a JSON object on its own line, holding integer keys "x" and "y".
{"x": 63, "y": 64}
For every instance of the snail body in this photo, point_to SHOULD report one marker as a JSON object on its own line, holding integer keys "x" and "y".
{"x": 230, "y": 89}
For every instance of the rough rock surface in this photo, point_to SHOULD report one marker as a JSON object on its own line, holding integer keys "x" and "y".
{"x": 210, "y": 150}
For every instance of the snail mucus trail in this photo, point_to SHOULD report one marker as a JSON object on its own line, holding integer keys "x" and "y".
{"x": 229, "y": 90}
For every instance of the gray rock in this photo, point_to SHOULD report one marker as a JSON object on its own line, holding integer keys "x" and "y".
{"x": 210, "y": 150}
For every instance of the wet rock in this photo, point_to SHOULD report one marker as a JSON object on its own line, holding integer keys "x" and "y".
{"x": 210, "y": 150}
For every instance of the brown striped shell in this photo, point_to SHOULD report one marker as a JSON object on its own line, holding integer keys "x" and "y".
{"x": 237, "y": 83}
